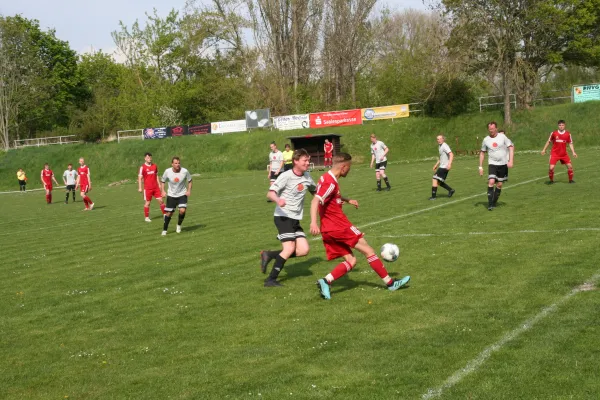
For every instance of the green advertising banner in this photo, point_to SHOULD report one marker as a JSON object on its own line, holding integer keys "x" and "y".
{"x": 583, "y": 93}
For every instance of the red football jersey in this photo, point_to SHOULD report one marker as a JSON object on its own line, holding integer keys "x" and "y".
{"x": 328, "y": 147}
{"x": 47, "y": 176}
{"x": 559, "y": 143}
{"x": 330, "y": 204}
{"x": 149, "y": 173}
{"x": 83, "y": 173}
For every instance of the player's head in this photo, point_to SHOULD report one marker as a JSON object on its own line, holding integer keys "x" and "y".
{"x": 441, "y": 139}
{"x": 287, "y": 147}
{"x": 273, "y": 146}
{"x": 492, "y": 128}
{"x": 46, "y": 166}
{"x": 176, "y": 163}
{"x": 81, "y": 161}
{"x": 148, "y": 157}
{"x": 70, "y": 167}
{"x": 301, "y": 160}
{"x": 562, "y": 125}
{"x": 342, "y": 162}
{"x": 326, "y": 140}
{"x": 373, "y": 138}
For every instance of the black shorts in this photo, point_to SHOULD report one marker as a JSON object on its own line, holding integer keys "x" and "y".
{"x": 273, "y": 177}
{"x": 441, "y": 174}
{"x": 68, "y": 188}
{"x": 22, "y": 183}
{"x": 174, "y": 202}
{"x": 498, "y": 172}
{"x": 289, "y": 229}
{"x": 381, "y": 165}
{"x": 287, "y": 167}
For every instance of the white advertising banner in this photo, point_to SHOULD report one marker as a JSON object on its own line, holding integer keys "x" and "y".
{"x": 289, "y": 122}
{"x": 228, "y": 126}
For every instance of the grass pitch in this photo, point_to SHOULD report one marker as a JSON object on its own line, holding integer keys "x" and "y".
{"x": 98, "y": 305}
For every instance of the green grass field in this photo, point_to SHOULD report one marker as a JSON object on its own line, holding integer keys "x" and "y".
{"x": 97, "y": 305}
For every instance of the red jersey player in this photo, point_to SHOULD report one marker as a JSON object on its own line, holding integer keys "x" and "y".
{"x": 328, "y": 149}
{"x": 559, "y": 140}
{"x": 338, "y": 233}
{"x": 149, "y": 173}
{"x": 47, "y": 177}
{"x": 85, "y": 183}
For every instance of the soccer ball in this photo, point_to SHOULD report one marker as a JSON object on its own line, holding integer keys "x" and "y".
{"x": 389, "y": 252}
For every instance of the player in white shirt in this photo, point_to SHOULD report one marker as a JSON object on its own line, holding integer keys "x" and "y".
{"x": 378, "y": 155}
{"x": 501, "y": 154}
{"x": 180, "y": 188}
{"x": 288, "y": 192}
{"x": 275, "y": 166}
{"x": 70, "y": 179}
{"x": 442, "y": 167}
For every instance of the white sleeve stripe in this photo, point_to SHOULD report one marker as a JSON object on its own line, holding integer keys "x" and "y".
{"x": 327, "y": 192}
{"x": 319, "y": 198}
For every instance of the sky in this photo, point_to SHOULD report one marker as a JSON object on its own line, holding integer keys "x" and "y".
{"x": 87, "y": 24}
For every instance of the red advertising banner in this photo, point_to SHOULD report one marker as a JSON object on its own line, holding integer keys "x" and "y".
{"x": 336, "y": 118}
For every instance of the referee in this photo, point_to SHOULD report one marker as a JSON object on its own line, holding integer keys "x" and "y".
{"x": 288, "y": 154}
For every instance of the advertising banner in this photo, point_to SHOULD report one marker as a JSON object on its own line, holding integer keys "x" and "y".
{"x": 179, "y": 130}
{"x": 199, "y": 129}
{"x": 583, "y": 93}
{"x": 228, "y": 126}
{"x": 387, "y": 112}
{"x": 155, "y": 133}
{"x": 289, "y": 122}
{"x": 335, "y": 118}
{"x": 258, "y": 118}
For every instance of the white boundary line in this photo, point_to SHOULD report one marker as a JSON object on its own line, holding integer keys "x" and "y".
{"x": 31, "y": 190}
{"x": 478, "y": 361}
{"x": 487, "y": 233}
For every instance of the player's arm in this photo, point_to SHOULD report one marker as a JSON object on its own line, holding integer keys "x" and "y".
{"x": 481, "y": 158}
{"x": 140, "y": 177}
{"x": 89, "y": 176}
{"x": 314, "y": 209}
{"x": 54, "y": 179}
{"x": 436, "y": 165}
{"x": 450, "y": 159}
{"x": 385, "y": 151}
{"x": 77, "y": 182}
{"x": 162, "y": 184}
{"x": 42, "y": 178}
{"x": 350, "y": 201}
{"x": 189, "y": 189}
{"x": 573, "y": 149}
{"x": 372, "y": 159}
{"x": 64, "y": 178}
{"x": 269, "y": 170}
{"x": 547, "y": 144}
{"x": 280, "y": 166}
{"x": 511, "y": 156}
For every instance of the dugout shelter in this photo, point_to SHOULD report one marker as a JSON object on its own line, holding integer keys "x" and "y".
{"x": 314, "y": 145}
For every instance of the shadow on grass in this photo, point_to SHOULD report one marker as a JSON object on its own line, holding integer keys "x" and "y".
{"x": 346, "y": 283}
{"x": 96, "y": 207}
{"x": 302, "y": 268}
{"x": 192, "y": 227}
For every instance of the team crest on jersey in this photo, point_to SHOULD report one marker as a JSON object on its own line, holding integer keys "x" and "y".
{"x": 176, "y": 179}
{"x": 300, "y": 187}
{"x": 494, "y": 144}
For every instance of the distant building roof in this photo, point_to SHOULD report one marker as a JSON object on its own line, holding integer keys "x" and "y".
{"x": 314, "y": 136}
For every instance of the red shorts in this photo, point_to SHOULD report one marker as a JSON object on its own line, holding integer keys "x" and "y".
{"x": 562, "y": 159}
{"x": 48, "y": 186}
{"x": 328, "y": 155}
{"x": 149, "y": 193}
{"x": 84, "y": 187}
{"x": 340, "y": 243}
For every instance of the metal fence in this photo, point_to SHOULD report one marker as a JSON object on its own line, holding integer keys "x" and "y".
{"x": 46, "y": 141}
{"x": 130, "y": 134}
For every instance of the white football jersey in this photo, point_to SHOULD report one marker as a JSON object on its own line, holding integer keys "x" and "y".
{"x": 377, "y": 149}
{"x": 177, "y": 181}
{"x": 497, "y": 149}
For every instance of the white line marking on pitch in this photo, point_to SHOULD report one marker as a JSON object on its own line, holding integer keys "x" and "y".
{"x": 478, "y": 361}
{"x": 487, "y": 233}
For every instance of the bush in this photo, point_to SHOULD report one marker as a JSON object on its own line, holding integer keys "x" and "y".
{"x": 450, "y": 98}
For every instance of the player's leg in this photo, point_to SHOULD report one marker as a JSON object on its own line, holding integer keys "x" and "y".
{"x": 182, "y": 209}
{"x": 146, "y": 209}
{"x": 378, "y": 267}
{"x": 338, "y": 244}
{"x": 171, "y": 204}
{"x": 288, "y": 249}
{"x": 67, "y": 192}
{"x": 551, "y": 167}
{"x": 434, "y": 186}
{"x": 48, "y": 195}
{"x": 382, "y": 173}
{"x": 378, "y": 177}
{"x": 570, "y": 172}
{"x": 84, "y": 197}
{"x": 502, "y": 176}
{"x": 73, "y": 192}
{"x": 161, "y": 204}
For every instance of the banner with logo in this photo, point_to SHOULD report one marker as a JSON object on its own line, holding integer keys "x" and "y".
{"x": 387, "y": 112}
{"x": 335, "y": 118}
{"x": 289, "y": 122}
{"x": 198, "y": 129}
{"x": 258, "y": 118}
{"x": 155, "y": 133}
{"x": 583, "y": 93}
{"x": 179, "y": 130}
{"x": 228, "y": 126}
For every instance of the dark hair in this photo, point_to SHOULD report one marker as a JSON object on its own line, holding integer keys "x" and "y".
{"x": 147, "y": 154}
{"x": 492, "y": 123}
{"x": 561, "y": 121}
{"x": 299, "y": 153}
{"x": 175, "y": 158}
{"x": 69, "y": 165}
{"x": 287, "y": 145}
{"x": 341, "y": 158}
{"x": 46, "y": 164}
{"x": 273, "y": 142}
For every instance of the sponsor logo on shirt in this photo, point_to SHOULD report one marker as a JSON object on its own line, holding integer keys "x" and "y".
{"x": 300, "y": 187}
{"x": 494, "y": 144}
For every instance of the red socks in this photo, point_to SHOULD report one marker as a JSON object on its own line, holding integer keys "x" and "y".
{"x": 162, "y": 208}
{"x": 570, "y": 173}
{"x": 146, "y": 212}
{"x": 340, "y": 270}
{"x": 379, "y": 268}
{"x": 551, "y": 174}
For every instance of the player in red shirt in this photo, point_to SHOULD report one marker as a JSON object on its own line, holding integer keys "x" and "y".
{"x": 47, "y": 177}
{"x": 328, "y": 149}
{"x": 338, "y": 233}
{"x": 559, "y": 140}
{"x": 149, "y": 173}
{"x": 84, "y": 181}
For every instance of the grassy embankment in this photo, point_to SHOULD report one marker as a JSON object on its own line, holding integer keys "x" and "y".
{"x": 409, "y": 139}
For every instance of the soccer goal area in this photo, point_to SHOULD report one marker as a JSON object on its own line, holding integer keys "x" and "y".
{"x": 130, "y": 134}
